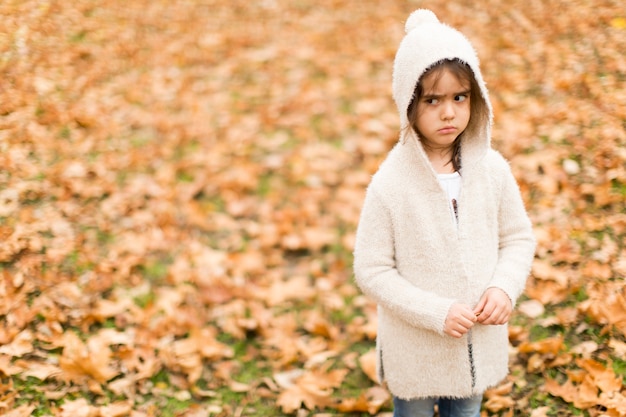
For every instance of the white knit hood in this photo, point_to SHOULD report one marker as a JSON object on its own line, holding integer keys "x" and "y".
{"x": 427, "y": 42}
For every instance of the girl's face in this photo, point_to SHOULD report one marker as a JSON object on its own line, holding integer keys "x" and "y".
{"x": 443, "y": 111}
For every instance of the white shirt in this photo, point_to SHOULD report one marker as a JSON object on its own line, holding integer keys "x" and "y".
{"x": 451, "y": 183}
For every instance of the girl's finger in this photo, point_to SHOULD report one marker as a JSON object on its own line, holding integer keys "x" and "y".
{"x": 479, "y": 307}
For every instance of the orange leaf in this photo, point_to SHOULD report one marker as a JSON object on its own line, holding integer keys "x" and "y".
{"x": 547, "y": 292}
{"x": 292, "y": 398}
{"x": 545, "y": 271}
{"x": 78, "y": 408}
{"x": 311, "y": 388}
{"x": 41, "y": 371}
{"x": 21, "y": 345}
{"x": 21, "y": 411}
{"x": 80, "y": 363}
{"x": 540, "y": 412}
{"x": 369, "y": 401}
{"x": 367, "y": 361}
{"x": 603, "y": 377}
{"x": 615, "y": 402}
{"x": 118, "y": 409}
{"x": 551, "y": 345}
{"x": 587, "y": 394}
{"x": 498, "y": 403}
{"x": 619, "y": 348}
{"x": 567, "y": 391}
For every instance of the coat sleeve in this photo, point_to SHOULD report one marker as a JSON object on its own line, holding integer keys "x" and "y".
{"x": 516, "y": 240}
{"x": 377, "y": 276}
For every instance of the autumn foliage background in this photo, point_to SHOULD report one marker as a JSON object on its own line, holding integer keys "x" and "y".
{"x": 180, "y": 183}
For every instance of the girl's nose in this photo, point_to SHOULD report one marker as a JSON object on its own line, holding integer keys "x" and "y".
{"x": 447, "y": 111}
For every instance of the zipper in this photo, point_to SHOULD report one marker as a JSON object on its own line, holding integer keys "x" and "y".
{"x": 455, "y": 207}
{"x": 470, "y": 349}
{"x": 470, "y": 346}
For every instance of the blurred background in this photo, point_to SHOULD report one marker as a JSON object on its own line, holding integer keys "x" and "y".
{"x": 180, "y": 183}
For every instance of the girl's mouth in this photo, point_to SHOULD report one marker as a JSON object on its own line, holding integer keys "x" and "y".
{"x": 447, "y": 130}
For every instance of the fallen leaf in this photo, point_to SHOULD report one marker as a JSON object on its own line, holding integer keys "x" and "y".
{"x": 81, "y": 363}
{"x": 21, "y": 411}
{"x": 531, "y": 308}
{"x": 370, "y": 401}
{"x": 367, "y": 362}
{"x": 78, "y": 408}
{"x": 602, "y": 376}
{"x": 41, "y": 371}
{"x": 21, "y": 345}
{"x": 550, "y": 345}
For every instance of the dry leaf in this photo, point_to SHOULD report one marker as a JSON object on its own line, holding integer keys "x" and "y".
{"x": 78, "y": 408}
{"x": 21, "y": 411}
{"x": 498, "y": 403}
{"x": 370, "y": 401}
{"x": 41, "y": 371}
{"x": 21, "y": 345}
{"x": 551, "y": 345}
{"x": 540, "y": 412}
{"x": 603, "y": 377}
{"x": 367, "y": 362}
{"x": 81, "y": 363}
{"x": 531, "y": 308}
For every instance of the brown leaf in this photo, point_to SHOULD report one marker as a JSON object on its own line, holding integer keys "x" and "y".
{"x": 367, "y": 362}
{"x": 311, "y": 388}
{"x": 239, "y": 386}
{"x": 78, "y": 408}
{"x": 183, "y": 356}
{"x": 603, "y": 377}
{"x": 547, "y": 272}
{"x": 370, "y": 401}
{"x": 21, "y": 345}
{"x": 294, "y": 288}
{"x": 567, "y": 391}
{"x": 619, "y": 348}
{"x": 41, "y": 371}
{"x": 585, "y": 349}
{"x": 117, "y": 409}
{"x": 81, "y": 363}
{"x": 614, "y": 402}
{"x": 540, "y": 412}
{"x": 23, "y": 410}
{"x": 316, "y": 323}
{"x": 551, "y": 345}
{"x": 498, "y": 403}
{"x": 7, "y": 367}
{"x": 292, "y": 398}
{"x": 587, "y": 394}
{"x": 531, "y": 308}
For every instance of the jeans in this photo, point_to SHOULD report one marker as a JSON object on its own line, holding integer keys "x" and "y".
{"x": 448, "y": 407}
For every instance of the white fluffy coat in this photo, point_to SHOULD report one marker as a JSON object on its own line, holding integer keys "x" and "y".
{"x": 413, "y": 261}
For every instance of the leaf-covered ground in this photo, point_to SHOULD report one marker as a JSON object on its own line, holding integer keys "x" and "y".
{"x": 180, "y": 183}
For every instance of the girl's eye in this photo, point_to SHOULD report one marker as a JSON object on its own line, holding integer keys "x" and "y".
{"x": 460, "y": 97}
{"x": 432, "y": 101}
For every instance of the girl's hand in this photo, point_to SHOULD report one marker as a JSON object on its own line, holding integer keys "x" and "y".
{"x": 494, "y": 307}
{"x": 460, "y": 319}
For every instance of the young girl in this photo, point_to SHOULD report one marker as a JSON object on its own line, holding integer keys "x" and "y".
{"x": 444, "y": 245}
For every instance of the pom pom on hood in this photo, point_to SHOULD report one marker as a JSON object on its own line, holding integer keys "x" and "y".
{"x": 419, "y": 17}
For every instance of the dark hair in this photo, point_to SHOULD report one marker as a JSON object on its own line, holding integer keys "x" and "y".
{"x": 478, "y": 108}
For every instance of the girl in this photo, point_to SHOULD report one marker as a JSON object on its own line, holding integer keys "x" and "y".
{"x": 444, "y": 244}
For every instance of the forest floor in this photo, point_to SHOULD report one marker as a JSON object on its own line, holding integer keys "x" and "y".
{"x": 180, "y": 184}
